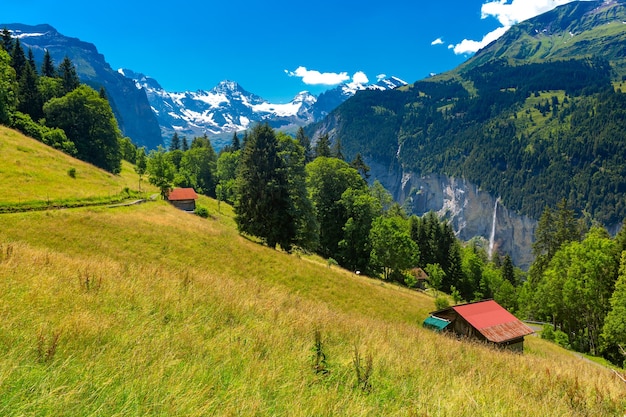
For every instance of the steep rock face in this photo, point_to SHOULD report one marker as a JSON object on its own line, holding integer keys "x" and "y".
{"x": 129, "y": 104}
{"x": 470, "y": 210}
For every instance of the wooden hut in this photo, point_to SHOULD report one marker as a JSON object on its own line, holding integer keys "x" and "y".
{"x": 484, "y": 320}
{"x": 183, "y": 198}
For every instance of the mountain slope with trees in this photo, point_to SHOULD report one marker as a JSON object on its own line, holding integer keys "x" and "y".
{"x": 149, "y": 310}
{"x": 533, "y": 118}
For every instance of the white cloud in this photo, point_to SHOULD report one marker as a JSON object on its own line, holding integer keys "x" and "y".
{"x": 508, "y": 14}
{"x": 359, "y": 77}
{"x": 437, "y": 41}
{"x": 517, "y": 11}
{"x": 381, "y": 77}
{"x": 468, "y": 46}
{"x": 313, "y": 77}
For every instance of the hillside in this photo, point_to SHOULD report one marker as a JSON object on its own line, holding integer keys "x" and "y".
{"x": 147, "y": 310}
{"x": 533, "y": 118}
{"x": 35, "y": 175}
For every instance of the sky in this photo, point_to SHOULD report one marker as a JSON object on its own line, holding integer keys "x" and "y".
{"x": 278, "y": 48}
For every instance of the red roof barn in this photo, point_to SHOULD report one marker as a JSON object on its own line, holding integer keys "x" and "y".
{"x": 485, "y": 320}
{"x": 183, "y": 198}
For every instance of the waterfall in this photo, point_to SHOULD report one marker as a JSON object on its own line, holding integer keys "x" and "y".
{"x": 492, "y": 237}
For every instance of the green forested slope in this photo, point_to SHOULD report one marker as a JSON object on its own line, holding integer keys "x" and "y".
{"x": 535, "y": 117}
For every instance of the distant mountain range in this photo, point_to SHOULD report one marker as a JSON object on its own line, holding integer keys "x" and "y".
{"x": 130, "y": 105}
{"x": 150, "y": 115}
{"x": 228, "y": 107}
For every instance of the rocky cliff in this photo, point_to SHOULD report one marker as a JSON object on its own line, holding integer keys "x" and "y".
{"x": 469, "y": 209}
{"x": 130, "y": 105}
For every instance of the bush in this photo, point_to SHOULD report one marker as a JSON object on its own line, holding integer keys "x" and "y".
{"x": 441, "y": 303}
{"x": 547, "y": 332}
{"x": 561, "y": 339}
{"x": 202, "y": 212}
{"x": 72, "y": 172}
{"x": 25, "y": 124}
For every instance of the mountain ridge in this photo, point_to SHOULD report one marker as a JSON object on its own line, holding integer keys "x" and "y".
{"x": 228, "y": 107}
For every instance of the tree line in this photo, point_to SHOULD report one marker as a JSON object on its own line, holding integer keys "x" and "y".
{"x": 49, "y": 103}
{"x": 578, "y": 283}
{"x": 298, "y": 196}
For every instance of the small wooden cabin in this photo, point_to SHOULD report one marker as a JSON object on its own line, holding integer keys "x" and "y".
{"x": 421, "y": 277}
{"x": 484, "y": 320}
{"x": 183, "y": 198}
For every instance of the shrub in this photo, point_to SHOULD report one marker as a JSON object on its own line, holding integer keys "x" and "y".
{"x": 441, "y": 303}
{"x": 547, "y": 332}
{"x": 561, "y": 339}
{"x": 202, "y": 212}
{"x": 72, "y": 172}
{"x": 27, "y": 126}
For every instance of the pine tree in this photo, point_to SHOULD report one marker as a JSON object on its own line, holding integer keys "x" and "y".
{"x": 263, "y": 206}
{"x": 30, "y": 101}
{"x": 360, "y": 166}
{"x": 7, "y": 40}
{"x": 236, "y": 144}
{"x": 337, "y": 151}
{"x": 322, "y": 147}
{"x": 508, "y": 271}
{"x": 305, "y": 142}
{"x": 68, "y": 75}
{"x": 47, "y": 66}
{"x": 175, "y": 143}
{"x": 184, "y": 145}
{"x": 31, "y": 60}
{"x": 18, "y": 59}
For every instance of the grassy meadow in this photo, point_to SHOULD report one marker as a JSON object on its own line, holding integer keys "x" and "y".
{"x": 147, "y": 310}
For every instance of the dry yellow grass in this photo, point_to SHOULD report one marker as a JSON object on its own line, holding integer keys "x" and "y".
{"x": 146, "y": 310}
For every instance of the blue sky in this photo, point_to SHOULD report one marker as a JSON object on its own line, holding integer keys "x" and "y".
{"x": 277, "y": 48}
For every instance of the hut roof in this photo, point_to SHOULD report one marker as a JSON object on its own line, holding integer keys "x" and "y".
{"x": 178, "y": 194}
{"x": 493, "y": 321}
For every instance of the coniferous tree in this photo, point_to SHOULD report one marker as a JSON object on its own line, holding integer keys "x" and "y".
{"x": 31, "y": 60}
{"x": 103, "y": 93}
{"x": 322, "y": 147}
{"x": 175, "y": 143}
{"x": 184, "y": 145}
{"x": 305, "y": 142}
{"x": 236, "y": 144}
{"x": 30, "y": 101}
{"x": 508, "y": 271}
{"x": 263, "y": 207}
{"x": 18, "y": 59}
{"x": 359, "y": 164}
{"x": 47, "y": 66}
{"x": 69, "y": 77}
{"x": 337, "y": 151}
{"x": 7, "y": 40}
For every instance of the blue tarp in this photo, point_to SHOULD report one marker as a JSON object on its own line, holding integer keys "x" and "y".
{"x": 435, "y": 323}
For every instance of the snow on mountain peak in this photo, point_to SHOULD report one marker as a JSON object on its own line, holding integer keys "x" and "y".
{"x": 228, "y": 107}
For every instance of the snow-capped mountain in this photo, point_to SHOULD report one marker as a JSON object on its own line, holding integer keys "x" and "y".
{"x": 228, "y": 108}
